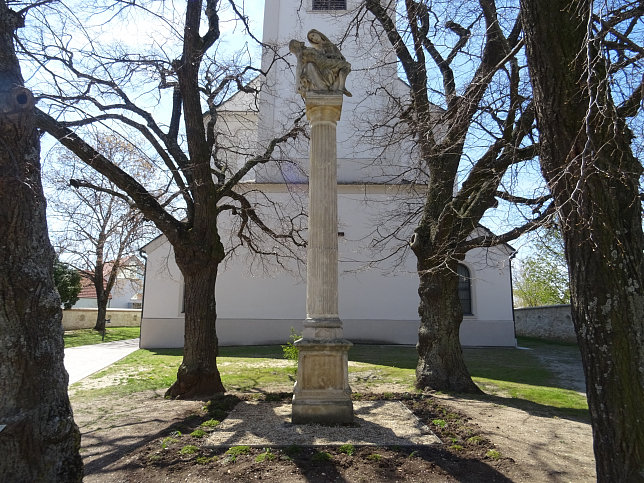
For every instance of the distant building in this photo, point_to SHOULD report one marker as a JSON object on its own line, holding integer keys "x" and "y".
{"x": 127, "y": 292}
{"x": 87, "y": 295}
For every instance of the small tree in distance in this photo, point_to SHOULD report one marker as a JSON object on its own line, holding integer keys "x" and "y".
{"x": 542, "y": 277}
{"x": 97, "y": 229}
{"x": 68, "y": 283}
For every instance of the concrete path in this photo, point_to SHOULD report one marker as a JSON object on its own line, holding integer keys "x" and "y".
{"x": 85, "y": 360}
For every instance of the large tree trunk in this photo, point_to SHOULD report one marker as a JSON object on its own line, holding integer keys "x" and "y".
{"x": 40, "y": 441}
{"x": 594, "y": 181}
{"x": 441, "y": 365}
{"x": 198, "y": 375}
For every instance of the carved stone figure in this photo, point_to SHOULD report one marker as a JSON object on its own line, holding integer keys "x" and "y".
{"x": 321, "y": 67}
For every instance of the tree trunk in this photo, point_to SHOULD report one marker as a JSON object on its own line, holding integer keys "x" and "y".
{"x": 40, "y": 441}
{"x": 594, "y": 177}
{"x": 99, "y": 270}
{"x": 440, "y": 357}
{"x": 198, "y": 375}
{"x": 101, "y": 313}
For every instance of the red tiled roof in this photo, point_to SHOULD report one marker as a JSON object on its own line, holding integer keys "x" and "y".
{"x": 88, "y": 291}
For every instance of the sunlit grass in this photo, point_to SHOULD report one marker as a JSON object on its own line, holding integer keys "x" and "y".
{"x": 75, "y": 338}
{"x": 547, "y": 396}
{"x": 507, "y": 373}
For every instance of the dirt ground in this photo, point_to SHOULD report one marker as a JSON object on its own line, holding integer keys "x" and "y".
{"x": 143, "y": 437}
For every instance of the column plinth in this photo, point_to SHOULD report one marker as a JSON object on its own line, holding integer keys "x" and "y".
{"x": 322, "y": 394}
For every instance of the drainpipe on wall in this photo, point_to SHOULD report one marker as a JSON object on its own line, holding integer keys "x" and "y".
{"x": 514, "y": 323}
{"x": 145, "y": 277}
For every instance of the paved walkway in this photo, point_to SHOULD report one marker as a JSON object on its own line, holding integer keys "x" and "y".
{"x": 85, "y": 360}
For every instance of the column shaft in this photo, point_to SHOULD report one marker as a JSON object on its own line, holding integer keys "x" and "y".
{"x": 322, "y": 251}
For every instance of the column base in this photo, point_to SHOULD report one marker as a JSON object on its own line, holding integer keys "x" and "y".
{"x": 322, "y": 394}
{"x": 327, "y": 413}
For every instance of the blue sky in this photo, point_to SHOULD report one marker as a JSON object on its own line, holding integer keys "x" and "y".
{"x": 156, "y": 29}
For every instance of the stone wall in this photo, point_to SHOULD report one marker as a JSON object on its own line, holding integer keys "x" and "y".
{"x": 552, "y": 322}
{"x": 86, "y": 318}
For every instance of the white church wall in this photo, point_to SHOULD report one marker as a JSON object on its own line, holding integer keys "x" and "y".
{"x": 377, "y": 305}
{"x": 237, "y": 138}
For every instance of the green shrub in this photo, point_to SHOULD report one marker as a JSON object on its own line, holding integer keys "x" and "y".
{"x": 374, "y": 457}
{"x": 493, "y": 454}
{"x": 204, "y": 460}
{"x": 347, "y": 449}
{"x": 439, "y": 422}
{"x": 211, "y": 423}
{"x": 322, "y": 456}
{"x": 168, "y": 441}
{"x": 475, "y": 440}
{"x": 68, "y": 283}
{"x": 290, "y": 350}
{"x": 198, "y": 433}
{"x": 189, "y": 449}
{"x": 267, "y": 455}
{"x": 238, "y": 450}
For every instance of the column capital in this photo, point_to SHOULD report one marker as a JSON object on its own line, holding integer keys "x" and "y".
{"x": 323, "y": 107}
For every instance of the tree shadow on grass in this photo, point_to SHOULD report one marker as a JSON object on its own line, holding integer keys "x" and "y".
{"x": 249, "y": 352}
{"x": 502, "y": 364}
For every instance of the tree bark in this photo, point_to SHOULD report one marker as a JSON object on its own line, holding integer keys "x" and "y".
{"x": 102, "y": 296}
{"x": 441, "y": 365}
{"x": 198, "y": 375}
{"x": 40, "y": 441}
{"x": 594, "y": 178}
{"x": 101, "y": 314}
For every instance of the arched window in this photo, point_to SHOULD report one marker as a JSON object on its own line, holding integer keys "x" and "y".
{"x": 464, "y": 288}
{"x": 329, "y": 4}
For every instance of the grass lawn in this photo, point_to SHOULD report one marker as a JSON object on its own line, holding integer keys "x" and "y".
{"x": 506, "y": 373}
{"x": 74, "y": 338}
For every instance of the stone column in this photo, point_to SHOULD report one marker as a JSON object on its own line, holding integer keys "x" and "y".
{"x": 322, "y": 394}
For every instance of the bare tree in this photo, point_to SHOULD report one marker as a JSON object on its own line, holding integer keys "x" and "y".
{"x": 575, "y": 49}
{"x": 470, "y": 132}
{"x": 39, "y": 440}
{"x": 99, "y": 230}
{"x": 122, "y": 87}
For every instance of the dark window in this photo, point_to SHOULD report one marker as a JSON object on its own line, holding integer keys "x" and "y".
{"x": 329, "y": 4}
{"x": 464, "y": 289}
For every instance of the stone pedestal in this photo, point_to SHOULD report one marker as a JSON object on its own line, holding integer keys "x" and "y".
{"x": 322, "y": 394}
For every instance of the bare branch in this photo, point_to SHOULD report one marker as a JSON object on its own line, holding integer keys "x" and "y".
{"x": 495, "y": 240}
{"x": 146, "y": 202}
{"x": 78, "y": 183}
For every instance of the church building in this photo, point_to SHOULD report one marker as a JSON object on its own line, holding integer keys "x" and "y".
{"x": 259, "y": 302}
